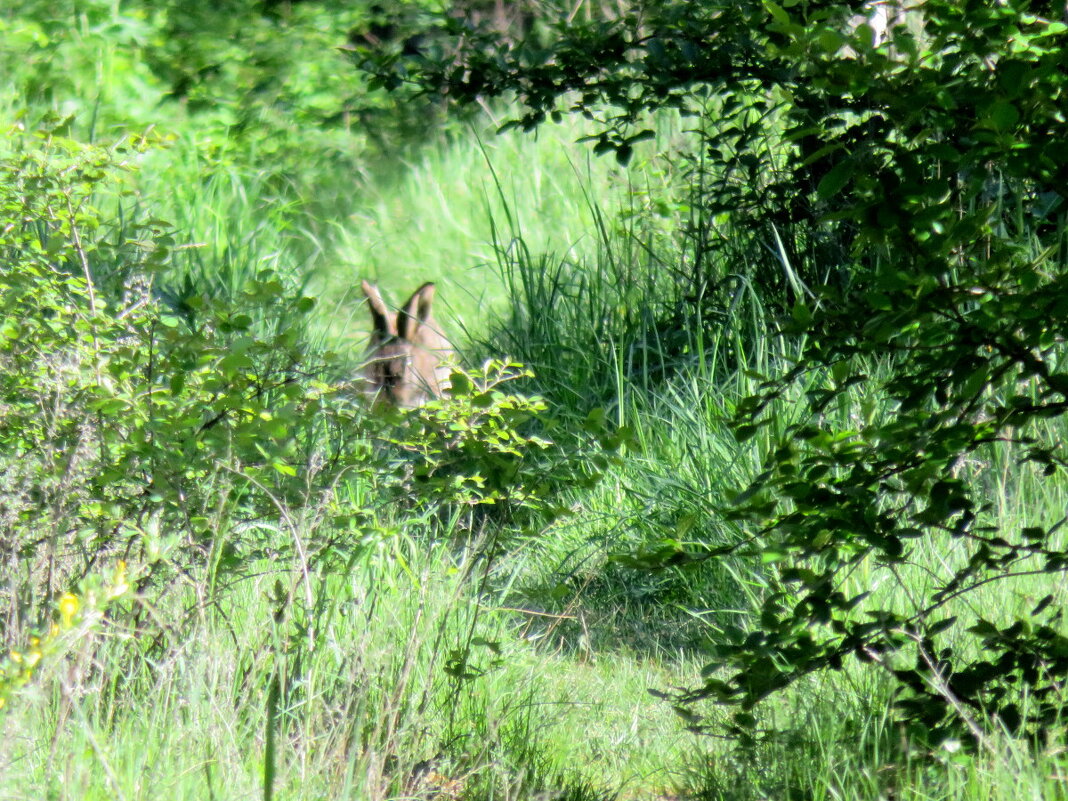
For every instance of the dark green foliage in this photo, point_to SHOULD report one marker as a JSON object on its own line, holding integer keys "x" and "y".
{"x": 916, "y": 188}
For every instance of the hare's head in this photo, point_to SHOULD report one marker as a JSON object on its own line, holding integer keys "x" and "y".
{"x": 407, "y": 362}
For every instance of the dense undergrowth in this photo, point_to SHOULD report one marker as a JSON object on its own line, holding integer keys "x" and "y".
{"x": 223, "y": 576}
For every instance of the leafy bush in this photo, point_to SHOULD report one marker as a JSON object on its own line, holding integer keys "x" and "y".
{"x": 119, "y": 418}
{"x": 206, "y": 443}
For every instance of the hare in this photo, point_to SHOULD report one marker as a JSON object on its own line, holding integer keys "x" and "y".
{"x": 407, "y": 361}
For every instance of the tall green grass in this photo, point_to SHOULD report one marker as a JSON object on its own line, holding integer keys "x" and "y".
{"x": 370, "y": 713}
{"x": 445, "y": 217}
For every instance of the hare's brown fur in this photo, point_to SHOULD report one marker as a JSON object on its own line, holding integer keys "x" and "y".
{"x": 408, "y": 359}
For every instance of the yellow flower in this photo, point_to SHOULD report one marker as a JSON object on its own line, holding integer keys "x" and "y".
{"x": 68, "y": 608}
{"x": 119, "y": 584}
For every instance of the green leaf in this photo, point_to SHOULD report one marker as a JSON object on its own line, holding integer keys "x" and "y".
{"x": 940, "y": 626}
{"x": 1002, "y": 116}
{"x": 177, "y": 382}
{"x": 55, "y": 243}
{"x": 835, "y": 179}
{"x": 777, "y": 12}
{"x": 802, "y": 314}
{"x": 109, "y": 406}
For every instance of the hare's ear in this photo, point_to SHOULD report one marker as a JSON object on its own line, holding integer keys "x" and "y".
{"x": 381, "y": 319}
{"x": 416, "y": 311}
